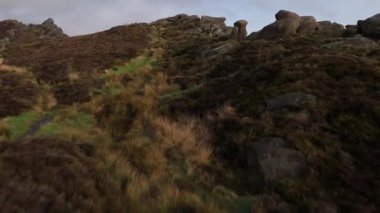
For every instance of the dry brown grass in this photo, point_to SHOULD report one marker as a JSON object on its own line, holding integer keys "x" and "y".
{"x": 45, "y": 99}
{"x": 188, "y": 135}
{"x": 4, "y": 130}
{"x": 8, "y": 68}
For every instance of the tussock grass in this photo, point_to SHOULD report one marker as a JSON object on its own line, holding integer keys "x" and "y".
{"x": 4, "y": 131}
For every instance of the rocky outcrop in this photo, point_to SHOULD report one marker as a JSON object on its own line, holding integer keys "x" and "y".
{"x": 351, "y": 30}
{"x": 240, "y": 29}
{"x": 284, "y": 14}
{"x": 370, "y": 27}
{"x": 12, "y": 31}
{"x": 205, "y": 25}
{"x": 51, "y": 30}
{"x": 330, "y": 29}
{"x": 291, "y": 24}
{"x": 354, "y": 42}
{"x": 281, "y": 28}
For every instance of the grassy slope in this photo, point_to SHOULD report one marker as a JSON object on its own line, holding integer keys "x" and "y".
{"x": 179, "y": 162}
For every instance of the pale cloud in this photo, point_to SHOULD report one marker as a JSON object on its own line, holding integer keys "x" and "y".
{"x": 86, "y": 16}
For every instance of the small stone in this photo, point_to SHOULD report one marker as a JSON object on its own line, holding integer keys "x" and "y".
{"x": 292, "y": 100}
{"x": 276, "y": 160}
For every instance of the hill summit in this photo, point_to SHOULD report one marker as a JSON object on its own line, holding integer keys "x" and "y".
{"x": 187, "y": 114}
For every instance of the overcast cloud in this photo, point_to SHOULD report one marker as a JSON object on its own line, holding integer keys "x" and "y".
{"x": 87, "y": 16}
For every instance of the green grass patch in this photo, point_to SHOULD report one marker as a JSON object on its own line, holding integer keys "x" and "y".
{"x": 19, "y": 125}
{"x": 82, "y": 121}
{"x": 134, "y": 65}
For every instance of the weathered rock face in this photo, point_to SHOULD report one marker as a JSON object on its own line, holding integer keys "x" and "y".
{"x": 329, "y": 29}
{"x": 205, "y": 25}
{"x": 308, "y": 26}
{"x": 210, "y": 54}
{"x": 370, "y": 27}
{"x": 240, "y": 29}
{"x": 284, "y": 14}
{"x": 276, "y": 160}
{"x": 354, "y": 42}
{"x": 51, "y": 29}
{"x": 282, "y": 28}
{"x": 291, "y": 24}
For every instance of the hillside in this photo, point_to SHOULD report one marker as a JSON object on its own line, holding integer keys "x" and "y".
{"x": 186, "y": 114}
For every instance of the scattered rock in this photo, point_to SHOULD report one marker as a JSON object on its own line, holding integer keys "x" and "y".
{"x": 210, "y": 54}
{"x": 284, "y": 14}
{"x": 356, "y": 42}
{"x": 292, "y": 100}
{"x": 276, "y": 160}
{"x": 240, "y": 29}
{"x": 370, "y": 27}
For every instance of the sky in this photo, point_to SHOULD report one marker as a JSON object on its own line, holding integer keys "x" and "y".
{"x": 78, "y": 17}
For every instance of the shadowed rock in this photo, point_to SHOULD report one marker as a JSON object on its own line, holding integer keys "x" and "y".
{"x": 292, "y": 100}
{"x": 276, "y": 160}
{"x": 370, "y": 27}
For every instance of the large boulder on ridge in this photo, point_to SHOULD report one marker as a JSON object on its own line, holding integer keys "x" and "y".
{"x": 291, "y": 24}
{"x": 281, "y": 28}
{"x": 284, "y": 14}
{"x": 370, "y": 27}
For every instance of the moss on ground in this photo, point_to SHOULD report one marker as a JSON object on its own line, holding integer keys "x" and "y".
{"x": 19, "y": 125}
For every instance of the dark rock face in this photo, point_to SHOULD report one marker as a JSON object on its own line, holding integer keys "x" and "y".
{"x": 276, "y": 160}
{"x": 240, "y": 29}
{"x": 290, "y": 100}
{"x": 370, "y": 27}
{"x": 351, "y": 30}
{"x": 291, "y": 24}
